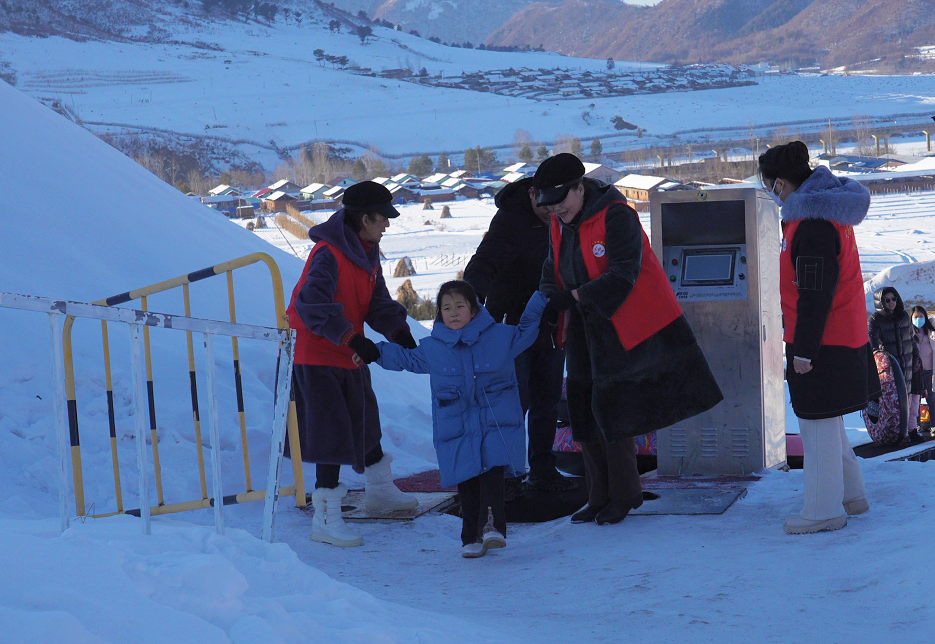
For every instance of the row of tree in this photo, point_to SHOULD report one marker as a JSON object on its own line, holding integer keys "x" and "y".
{"x": 235, "y": 8}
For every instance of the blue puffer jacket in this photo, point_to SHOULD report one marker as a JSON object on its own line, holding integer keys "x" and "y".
{"x": 476, "y": 414}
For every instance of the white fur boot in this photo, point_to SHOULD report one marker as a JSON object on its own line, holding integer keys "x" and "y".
{"x": 381, "y": 494}
{"x": 327, "y": 524}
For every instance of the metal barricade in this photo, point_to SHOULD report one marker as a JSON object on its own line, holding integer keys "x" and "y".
{"x": 249, "y": 494}
{"x": 135, "y": 319}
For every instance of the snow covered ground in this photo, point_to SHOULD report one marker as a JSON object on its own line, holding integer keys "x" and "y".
{"x": 733, "y": 577}
{"x": 262, "y": 86}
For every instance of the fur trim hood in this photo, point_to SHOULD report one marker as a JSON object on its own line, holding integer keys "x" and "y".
{"x": 825, "y": 196}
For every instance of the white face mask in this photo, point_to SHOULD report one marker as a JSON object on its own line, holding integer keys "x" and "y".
{"x": 775, "y": 195}
{"x": 919, "y": 322}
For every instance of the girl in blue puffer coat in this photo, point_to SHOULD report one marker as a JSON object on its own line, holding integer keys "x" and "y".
{"x": 478, "y": 426}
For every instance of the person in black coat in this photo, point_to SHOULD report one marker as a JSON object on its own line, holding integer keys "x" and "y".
{"x": 829, "y": 363}
{"x": 634, "y": 365}
{"x": 504, "y": 272}
{"x": 890, "y": 329}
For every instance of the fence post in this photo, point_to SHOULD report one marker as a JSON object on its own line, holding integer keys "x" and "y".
{"x": 217, "y": 489}
{"x": 58, "y": 380}
{"x": 278, "y": 438}
{"x": 137, "y": 376}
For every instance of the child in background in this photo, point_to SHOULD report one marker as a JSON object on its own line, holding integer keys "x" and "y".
{"x": 478, "y": 428}
{"x": 924, "y": 337}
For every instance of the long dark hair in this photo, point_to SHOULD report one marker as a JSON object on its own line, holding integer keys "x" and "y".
{"x": 788, "y": 162}
{"x": 456, "y": 287}
{"x": 925, "y": 316}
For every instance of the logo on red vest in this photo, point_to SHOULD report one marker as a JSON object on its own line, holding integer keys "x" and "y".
{"x": 598, "y": 249}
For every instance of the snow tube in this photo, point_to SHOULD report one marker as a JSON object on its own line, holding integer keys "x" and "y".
{"x": 891, "y": 426}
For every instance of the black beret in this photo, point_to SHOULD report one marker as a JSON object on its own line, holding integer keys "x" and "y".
{"x": 555, "y": 177}
{"x": 370, "y": 197}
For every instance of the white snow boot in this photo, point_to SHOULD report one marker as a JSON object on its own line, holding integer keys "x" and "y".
{"x": 381, "y": 494}
{"x": 327, "y": 524}
{"x": 797, "y": 525}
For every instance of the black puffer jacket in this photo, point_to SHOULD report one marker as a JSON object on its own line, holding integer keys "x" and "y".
{"x": 506, "y": 267}
{"x": 892, "y": 332}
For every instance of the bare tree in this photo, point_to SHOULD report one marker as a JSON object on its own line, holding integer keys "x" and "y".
{"x": 863, "y": 142}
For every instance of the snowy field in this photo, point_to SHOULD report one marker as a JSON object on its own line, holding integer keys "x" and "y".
{"x": 261, "y": 86}
{"x": 730, "y": 578}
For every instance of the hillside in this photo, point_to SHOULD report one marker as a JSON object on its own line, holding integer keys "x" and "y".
{"x": 794, "y": 32}
{"x": 189, "y": 91}
{"x": 453, "y": 21}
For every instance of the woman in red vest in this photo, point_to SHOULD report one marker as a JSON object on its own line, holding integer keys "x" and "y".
{"x": 632, "y": 360}
{"x": 342, "y": 287}
{"x": 829, "y": 364}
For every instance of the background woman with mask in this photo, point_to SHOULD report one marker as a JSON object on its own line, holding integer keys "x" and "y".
{"x": 924, "y": 331}
{"x": 829, "y": 364}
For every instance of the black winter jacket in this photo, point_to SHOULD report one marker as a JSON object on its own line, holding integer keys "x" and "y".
{"x": 893, "y": 333}
{"x": 506, "y": 267}
{"x": 619, "y": 393}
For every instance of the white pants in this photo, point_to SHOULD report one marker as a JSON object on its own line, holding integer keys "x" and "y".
{"x": 831, "y": 472}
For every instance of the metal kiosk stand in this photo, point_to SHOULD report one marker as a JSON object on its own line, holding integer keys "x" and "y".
{"x": 720, "y": 249}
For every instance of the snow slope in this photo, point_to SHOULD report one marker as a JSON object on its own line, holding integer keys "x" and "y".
{"x": 733, "y": 577}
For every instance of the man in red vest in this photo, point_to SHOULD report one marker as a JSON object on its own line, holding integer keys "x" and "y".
{"x": 342, "y": 287}
{"x": 633, "y": 363}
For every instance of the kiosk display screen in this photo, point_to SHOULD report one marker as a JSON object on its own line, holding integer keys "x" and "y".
{"x": 708, "y": 268}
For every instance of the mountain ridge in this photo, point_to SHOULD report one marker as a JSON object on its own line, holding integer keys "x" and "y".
{"x": 827, "y": 33}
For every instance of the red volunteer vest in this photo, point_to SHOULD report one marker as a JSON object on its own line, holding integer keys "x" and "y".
{"x": 650, "y": 306}
{"x": 847, "y": 320}
{"x": 354, "y": 291}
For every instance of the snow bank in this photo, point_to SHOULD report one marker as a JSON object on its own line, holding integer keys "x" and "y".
{"x": 915, "y": 283}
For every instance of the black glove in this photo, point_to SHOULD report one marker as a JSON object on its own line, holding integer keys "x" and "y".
{"x": 559, "y": 301}
{"x": 364, "y": 348}
{"x": 404, "y": 339}
{"x": 548, "y": 327}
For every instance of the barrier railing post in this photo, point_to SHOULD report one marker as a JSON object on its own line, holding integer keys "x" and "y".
{"x": 217, "y": 489}
{"x": 111, "y": 415}
{"x": 136, "y": 368}
{"x": 58, "y": 379}
{"x": 238, "y": 385}
{"x": 278, "y": 438}
{"x": 151, "y": 397}
{"x": 193, "y": 384}
{"x": 71, "y": 403}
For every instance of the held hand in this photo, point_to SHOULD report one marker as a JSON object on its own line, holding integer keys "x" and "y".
{"x": 404, "y": 339}
{"x": 559, "y": 301}
{"x": 801, "y": 366}
{"x": 364, "y": 348}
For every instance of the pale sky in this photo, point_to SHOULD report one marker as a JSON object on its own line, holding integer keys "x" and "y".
{"x": 643, "y": 2}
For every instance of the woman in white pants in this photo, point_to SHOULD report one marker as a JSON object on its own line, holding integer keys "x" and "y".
{"x": 829, "y": 364}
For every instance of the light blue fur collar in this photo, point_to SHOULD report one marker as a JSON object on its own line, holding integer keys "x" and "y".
{"x": 825, "y": 196}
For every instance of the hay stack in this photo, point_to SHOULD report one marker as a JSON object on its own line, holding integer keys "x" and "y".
{"x": 406, "y": 295}
{"x": 404, "y": 268}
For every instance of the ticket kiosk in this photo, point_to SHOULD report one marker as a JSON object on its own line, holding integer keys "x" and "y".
{"x": 720, "y": 250}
